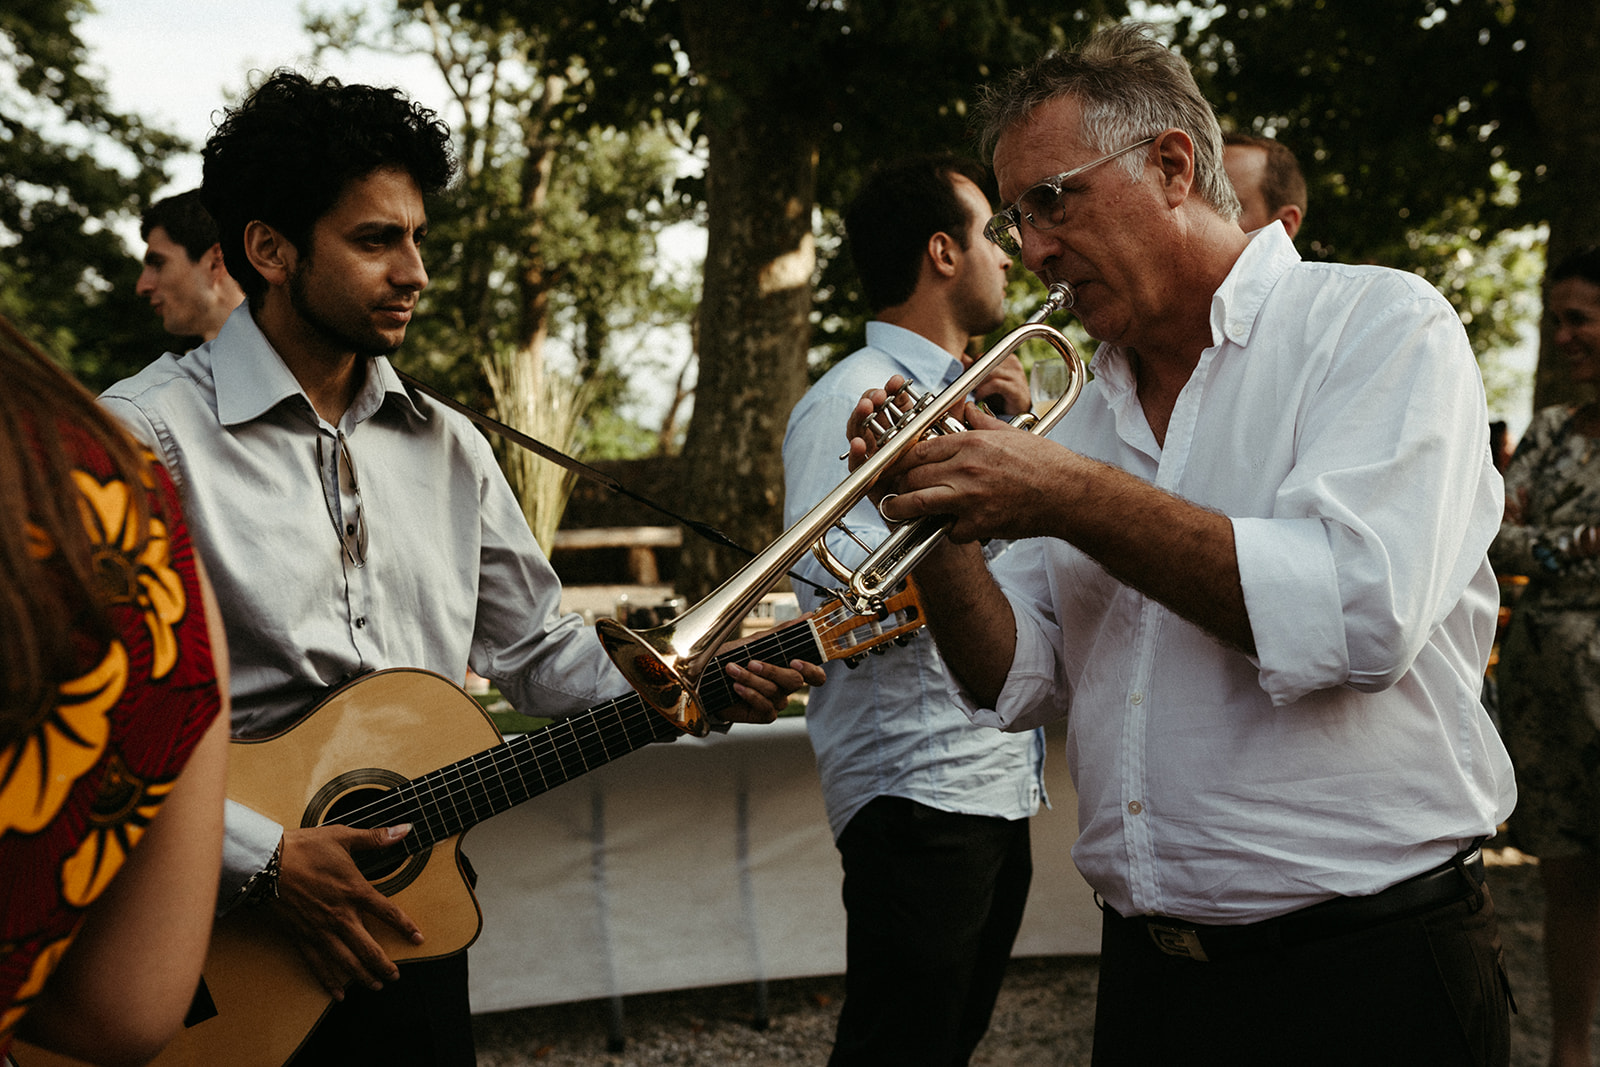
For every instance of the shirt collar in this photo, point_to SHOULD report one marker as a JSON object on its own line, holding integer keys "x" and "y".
{"x": 251, "y": 378}
{"x": 1238, "y": 301}
{"x": 923, "y": 361}
{"x": 1235, "y": 305}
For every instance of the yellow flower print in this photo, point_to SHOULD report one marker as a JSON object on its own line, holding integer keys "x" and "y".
{"x": 122, "y": 813}
{"x": 38, "y": 769}
{"x": 147, "y": 580}
{"x": 44, "y": 964}
{"x": 39, "y": 544}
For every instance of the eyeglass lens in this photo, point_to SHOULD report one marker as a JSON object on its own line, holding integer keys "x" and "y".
{"x": 1044, "y": 205}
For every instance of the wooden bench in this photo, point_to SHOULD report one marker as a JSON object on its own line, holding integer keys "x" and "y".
{"x": 640, "y": 541}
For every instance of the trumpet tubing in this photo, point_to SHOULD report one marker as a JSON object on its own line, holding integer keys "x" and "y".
{"x": 664, "y": 664}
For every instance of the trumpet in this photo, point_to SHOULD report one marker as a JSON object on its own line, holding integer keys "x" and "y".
{"x": 664, "y": 664}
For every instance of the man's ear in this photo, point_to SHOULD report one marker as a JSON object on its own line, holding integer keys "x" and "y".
{"x": 269, "y": 252}
{"x": 944, "y": 255}
{"x": 1289, "y": 215}
{"x": 1175, "y": 156}
{"x": 213, "y": 262}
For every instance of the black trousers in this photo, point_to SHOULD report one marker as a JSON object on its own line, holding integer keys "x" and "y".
{"x": 422, "y": 1020}
{"x": 933, "y": 900}
{"x": 1415, "y": 992}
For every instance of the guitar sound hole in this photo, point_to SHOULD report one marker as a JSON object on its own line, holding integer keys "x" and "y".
{"x": 346, "y": 801}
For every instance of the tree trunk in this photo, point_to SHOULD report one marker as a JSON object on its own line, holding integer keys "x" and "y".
{"x": 1566, "y": 93}
{"x": 754, "y": 321}
{"x": 531, "y": 397}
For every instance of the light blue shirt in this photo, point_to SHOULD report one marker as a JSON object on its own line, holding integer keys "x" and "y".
{"x": 452, "y": 576}
{"x": 892, "y": 726}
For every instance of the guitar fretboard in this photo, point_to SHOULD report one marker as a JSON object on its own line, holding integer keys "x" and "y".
{"x": 457, "y": 797}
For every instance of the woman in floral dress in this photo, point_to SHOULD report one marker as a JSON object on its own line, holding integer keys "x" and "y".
{"x": 1549, "y": 671}
{"x": 113, "y": 730}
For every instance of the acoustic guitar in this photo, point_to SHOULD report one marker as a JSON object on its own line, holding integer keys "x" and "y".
{"x": 368, "y": 756}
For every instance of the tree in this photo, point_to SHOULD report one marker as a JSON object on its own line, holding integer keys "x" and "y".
{"x": 1429, "y": 128}
{"x": 555, "y": 215}
{"x": 796, "y": 98}
{"x": 1565, "y": 87}
{"x": 66, "y": 276}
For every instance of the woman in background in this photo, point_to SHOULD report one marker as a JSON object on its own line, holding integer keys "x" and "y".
{"x": 113, "y": 729}
{"x": 1549, "y": 670}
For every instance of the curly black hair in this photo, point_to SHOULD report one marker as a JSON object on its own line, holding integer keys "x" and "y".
{"x": 285, "y": 155}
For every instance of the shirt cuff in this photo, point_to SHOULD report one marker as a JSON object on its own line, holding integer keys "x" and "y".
{"x": 246, "y": 848}
{"x": 1033, "y": 694}
{"x": 1291, "y": 592}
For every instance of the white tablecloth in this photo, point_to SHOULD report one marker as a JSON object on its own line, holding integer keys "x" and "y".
{"x": 699, "y": 863}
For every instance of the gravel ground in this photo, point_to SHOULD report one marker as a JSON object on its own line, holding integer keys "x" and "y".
{"x": 1044, "y": 1018}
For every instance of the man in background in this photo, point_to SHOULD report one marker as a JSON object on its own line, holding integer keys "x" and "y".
{"x": 184, "y": 277}
{"x": 929, "y": 813}
{"x": 1267, "y": 178}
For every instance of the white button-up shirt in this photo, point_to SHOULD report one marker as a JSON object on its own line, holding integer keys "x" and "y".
{"x": 1338, "y": 419}
{"x": 892, "y": 726}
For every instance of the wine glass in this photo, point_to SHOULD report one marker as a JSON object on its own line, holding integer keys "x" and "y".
{"x": 1047, "y": 381}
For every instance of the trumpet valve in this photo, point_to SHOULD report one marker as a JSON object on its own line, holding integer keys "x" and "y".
{"x": 888, "y": 419}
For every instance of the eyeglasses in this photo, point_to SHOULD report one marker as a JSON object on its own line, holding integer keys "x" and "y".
{"x": 353, "y": 531}
{"x": 1044, "y": 205}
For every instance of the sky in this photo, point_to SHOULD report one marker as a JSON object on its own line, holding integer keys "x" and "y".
{"x": 177, "y": 63}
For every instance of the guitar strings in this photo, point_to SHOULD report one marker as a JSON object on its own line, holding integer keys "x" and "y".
{"x": 564, "y": 743}
{"x": 561, "y": 741}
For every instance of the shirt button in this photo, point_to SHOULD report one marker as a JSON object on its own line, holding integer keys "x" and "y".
{"x": 1137, "y": 698}
{"x": 1134, "y": 807}
{"x": 361, "y": 622}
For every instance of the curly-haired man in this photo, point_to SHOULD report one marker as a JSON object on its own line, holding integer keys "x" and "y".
{"x": 425, "y": 560}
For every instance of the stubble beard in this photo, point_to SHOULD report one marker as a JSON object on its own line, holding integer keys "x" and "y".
{"x": 366, "y": 345}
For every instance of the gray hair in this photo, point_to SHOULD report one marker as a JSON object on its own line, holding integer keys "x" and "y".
{"x": 1128, "y": 86}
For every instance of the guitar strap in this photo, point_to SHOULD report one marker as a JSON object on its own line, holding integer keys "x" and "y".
{"x": 583, "y": 470}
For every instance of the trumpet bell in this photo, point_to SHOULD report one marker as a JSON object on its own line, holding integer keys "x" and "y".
{"x": 653, "y": 665}
{"x": 665, "y": 664}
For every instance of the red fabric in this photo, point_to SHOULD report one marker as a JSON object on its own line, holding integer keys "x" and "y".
{"x": 82, "y": 785}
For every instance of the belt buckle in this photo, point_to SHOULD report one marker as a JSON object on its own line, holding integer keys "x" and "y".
{"x": 1178, "y": 941}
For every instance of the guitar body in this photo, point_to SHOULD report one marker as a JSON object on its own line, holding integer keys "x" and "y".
{"x": 421, "y": 745}
{"x": 369, "y": 736}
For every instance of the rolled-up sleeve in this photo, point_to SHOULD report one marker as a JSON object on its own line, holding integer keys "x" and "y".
{"x": 1385, "y": 515}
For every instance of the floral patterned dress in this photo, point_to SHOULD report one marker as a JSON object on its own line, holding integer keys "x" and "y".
{"x": 1549, "y": 670}
{"x": 81, "y": 786}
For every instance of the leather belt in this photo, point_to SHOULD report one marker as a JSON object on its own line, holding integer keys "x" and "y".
{"x": 1459, "y": 879}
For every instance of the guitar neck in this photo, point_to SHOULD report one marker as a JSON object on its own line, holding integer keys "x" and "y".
{"x": 457, "y": 797}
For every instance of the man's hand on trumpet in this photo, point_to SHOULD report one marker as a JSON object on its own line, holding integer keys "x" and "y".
{"x": 989, "y": 478}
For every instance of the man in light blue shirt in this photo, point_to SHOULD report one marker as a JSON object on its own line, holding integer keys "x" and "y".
{"x": 930, "y": 815}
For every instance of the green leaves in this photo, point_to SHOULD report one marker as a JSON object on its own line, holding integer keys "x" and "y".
{"x": 67, "y": 277}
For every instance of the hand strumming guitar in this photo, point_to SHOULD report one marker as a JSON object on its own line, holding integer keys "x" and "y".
{"x": 323, "y": 897}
